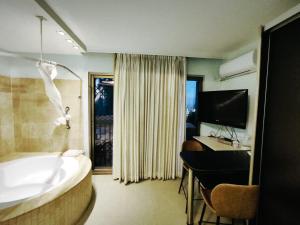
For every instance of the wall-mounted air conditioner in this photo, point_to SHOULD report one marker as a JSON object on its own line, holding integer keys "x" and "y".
{"x": 241, "y": 65}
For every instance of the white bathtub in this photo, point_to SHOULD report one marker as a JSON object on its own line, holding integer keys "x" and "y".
{"x": 24, "y": 178}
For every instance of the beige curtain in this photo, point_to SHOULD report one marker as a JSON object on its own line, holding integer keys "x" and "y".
{"x": 149, "y": 116}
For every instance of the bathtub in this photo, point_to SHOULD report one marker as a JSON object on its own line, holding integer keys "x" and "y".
{"x": 30, "y": 184}
{"x": 21, "y": 179}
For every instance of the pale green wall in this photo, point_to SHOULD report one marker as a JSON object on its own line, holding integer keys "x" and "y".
{"x": 98, "y": 62}
{"x": 209, "y": 68}
{"x": 249, "y": 82}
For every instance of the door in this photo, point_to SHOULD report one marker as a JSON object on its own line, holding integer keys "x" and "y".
{"x": 277, "y": 156}
{"x": 193, "y": 88}
{"x": 102, "y": 122}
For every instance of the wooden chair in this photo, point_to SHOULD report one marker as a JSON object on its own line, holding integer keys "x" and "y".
{"x": 231, "y": 201}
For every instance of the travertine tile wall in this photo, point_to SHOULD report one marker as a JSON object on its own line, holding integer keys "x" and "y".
{"x": 31, "y": 120}
{"x": 6, "y": 116}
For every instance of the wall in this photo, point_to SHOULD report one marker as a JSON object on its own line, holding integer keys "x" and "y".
{"x": 6, "y": 116}
{"x": 249, "y": 82}
{"x": 27, "y": 117}
{"x": 98, "y": 62}
{"x": 81, "y": 64}
{"x": 210, "y": 69}
{"x": 34, "y": 116}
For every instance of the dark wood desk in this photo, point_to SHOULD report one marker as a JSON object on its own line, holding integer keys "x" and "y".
{"x": 215, "y": 167}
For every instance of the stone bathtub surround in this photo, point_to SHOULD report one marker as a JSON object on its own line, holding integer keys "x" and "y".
{"x": 63, "y": 205}
{"x": 27, "y": 116}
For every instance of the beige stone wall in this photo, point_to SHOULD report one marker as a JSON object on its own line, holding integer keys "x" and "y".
{"x": 6, "y": 116}
{"x": 33, "y": 116}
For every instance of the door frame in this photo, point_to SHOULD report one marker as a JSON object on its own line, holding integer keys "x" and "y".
{"x": 262, "y": 98}
{"x": 199, "y": 78}
{"x": 91, "y": 97}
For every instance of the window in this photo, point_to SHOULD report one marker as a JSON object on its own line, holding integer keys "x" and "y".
{"x": 193, "y": 87}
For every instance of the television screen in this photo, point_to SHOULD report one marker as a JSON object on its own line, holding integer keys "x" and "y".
{"x": 227, "y": 108}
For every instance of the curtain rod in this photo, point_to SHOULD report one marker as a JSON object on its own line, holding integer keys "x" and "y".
{"x": 37, "y": 60}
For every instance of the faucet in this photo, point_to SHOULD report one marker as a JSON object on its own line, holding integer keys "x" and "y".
{"x": 67, "y": 109}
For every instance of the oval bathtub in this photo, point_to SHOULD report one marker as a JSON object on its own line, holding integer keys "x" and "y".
{"x": 31, "y": 184}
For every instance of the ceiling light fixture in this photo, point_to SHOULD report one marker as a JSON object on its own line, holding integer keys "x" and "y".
{"x": 61, "y": 33}
{"x": 76, "y": 47}
{"x": 69, "y": 40}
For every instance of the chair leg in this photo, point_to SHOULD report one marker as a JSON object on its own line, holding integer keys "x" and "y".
{"x": 218, "y": 220}
{"x": 202, "y": 214}
{"x": 232, "y": 222}
{"x": 185, "y": 206}
{"x": 245, "y": 222}
{"x": 182, "y": 179}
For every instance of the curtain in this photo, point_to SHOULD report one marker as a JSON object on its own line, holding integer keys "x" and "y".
{"x": 149, "y": 117}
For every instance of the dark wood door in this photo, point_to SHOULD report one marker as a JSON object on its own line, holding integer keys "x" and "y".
{"x": 278, "y": 141}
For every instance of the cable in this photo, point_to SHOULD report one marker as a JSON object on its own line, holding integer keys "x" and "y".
{"x": 230, "y": 134}
{"x": 236, "y": 137}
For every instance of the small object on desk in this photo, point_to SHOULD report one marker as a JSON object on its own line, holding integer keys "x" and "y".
{"x": 235, "y": 144}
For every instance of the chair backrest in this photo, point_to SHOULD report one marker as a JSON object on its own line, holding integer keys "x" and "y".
{"x": 235, "y": 201}
{"x": 191, "y": 145}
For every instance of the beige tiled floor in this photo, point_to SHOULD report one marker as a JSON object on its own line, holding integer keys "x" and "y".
{"x": 146, "y": 203}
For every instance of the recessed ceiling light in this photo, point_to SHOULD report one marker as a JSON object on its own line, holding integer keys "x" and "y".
{"x": 61, "y": 33}
{"x": 76, "y": 47}
{"x": 69, "y": 40}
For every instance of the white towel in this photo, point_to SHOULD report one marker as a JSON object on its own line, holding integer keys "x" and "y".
{"x": 48, "y": 73}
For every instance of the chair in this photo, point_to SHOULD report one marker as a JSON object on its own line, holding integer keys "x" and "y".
{"x": 231, "y": 201}
{"x": 190, "y": 145}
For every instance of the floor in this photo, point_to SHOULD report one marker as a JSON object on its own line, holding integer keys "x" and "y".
{"x": 146, "y": 203}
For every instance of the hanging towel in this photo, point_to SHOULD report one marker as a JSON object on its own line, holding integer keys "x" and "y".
{"x": 48, "y": 73}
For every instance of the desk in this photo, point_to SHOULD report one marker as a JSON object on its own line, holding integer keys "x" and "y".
{"x": 215, "y": 145}
{"x": 213, "y": 163}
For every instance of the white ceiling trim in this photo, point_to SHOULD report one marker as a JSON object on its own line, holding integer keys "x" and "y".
{"x": 64, "y": 27}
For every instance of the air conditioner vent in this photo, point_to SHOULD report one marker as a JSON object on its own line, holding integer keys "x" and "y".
{"x": 239, "y": 66}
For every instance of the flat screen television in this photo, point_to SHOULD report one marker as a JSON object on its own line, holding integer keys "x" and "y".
{"x": 227, "y": 108}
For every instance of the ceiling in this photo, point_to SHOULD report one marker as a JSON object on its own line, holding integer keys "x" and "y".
{"x": 195, "y": 28}
{"x": 20, "y": 29}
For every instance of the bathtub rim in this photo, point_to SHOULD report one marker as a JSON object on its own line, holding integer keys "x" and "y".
{"x": 43, "y": 198}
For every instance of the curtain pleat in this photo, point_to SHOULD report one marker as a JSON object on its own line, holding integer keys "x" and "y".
{"x": 149, "y": 117}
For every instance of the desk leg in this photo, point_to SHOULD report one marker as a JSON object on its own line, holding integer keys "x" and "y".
{"x": 190, "y": 217}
